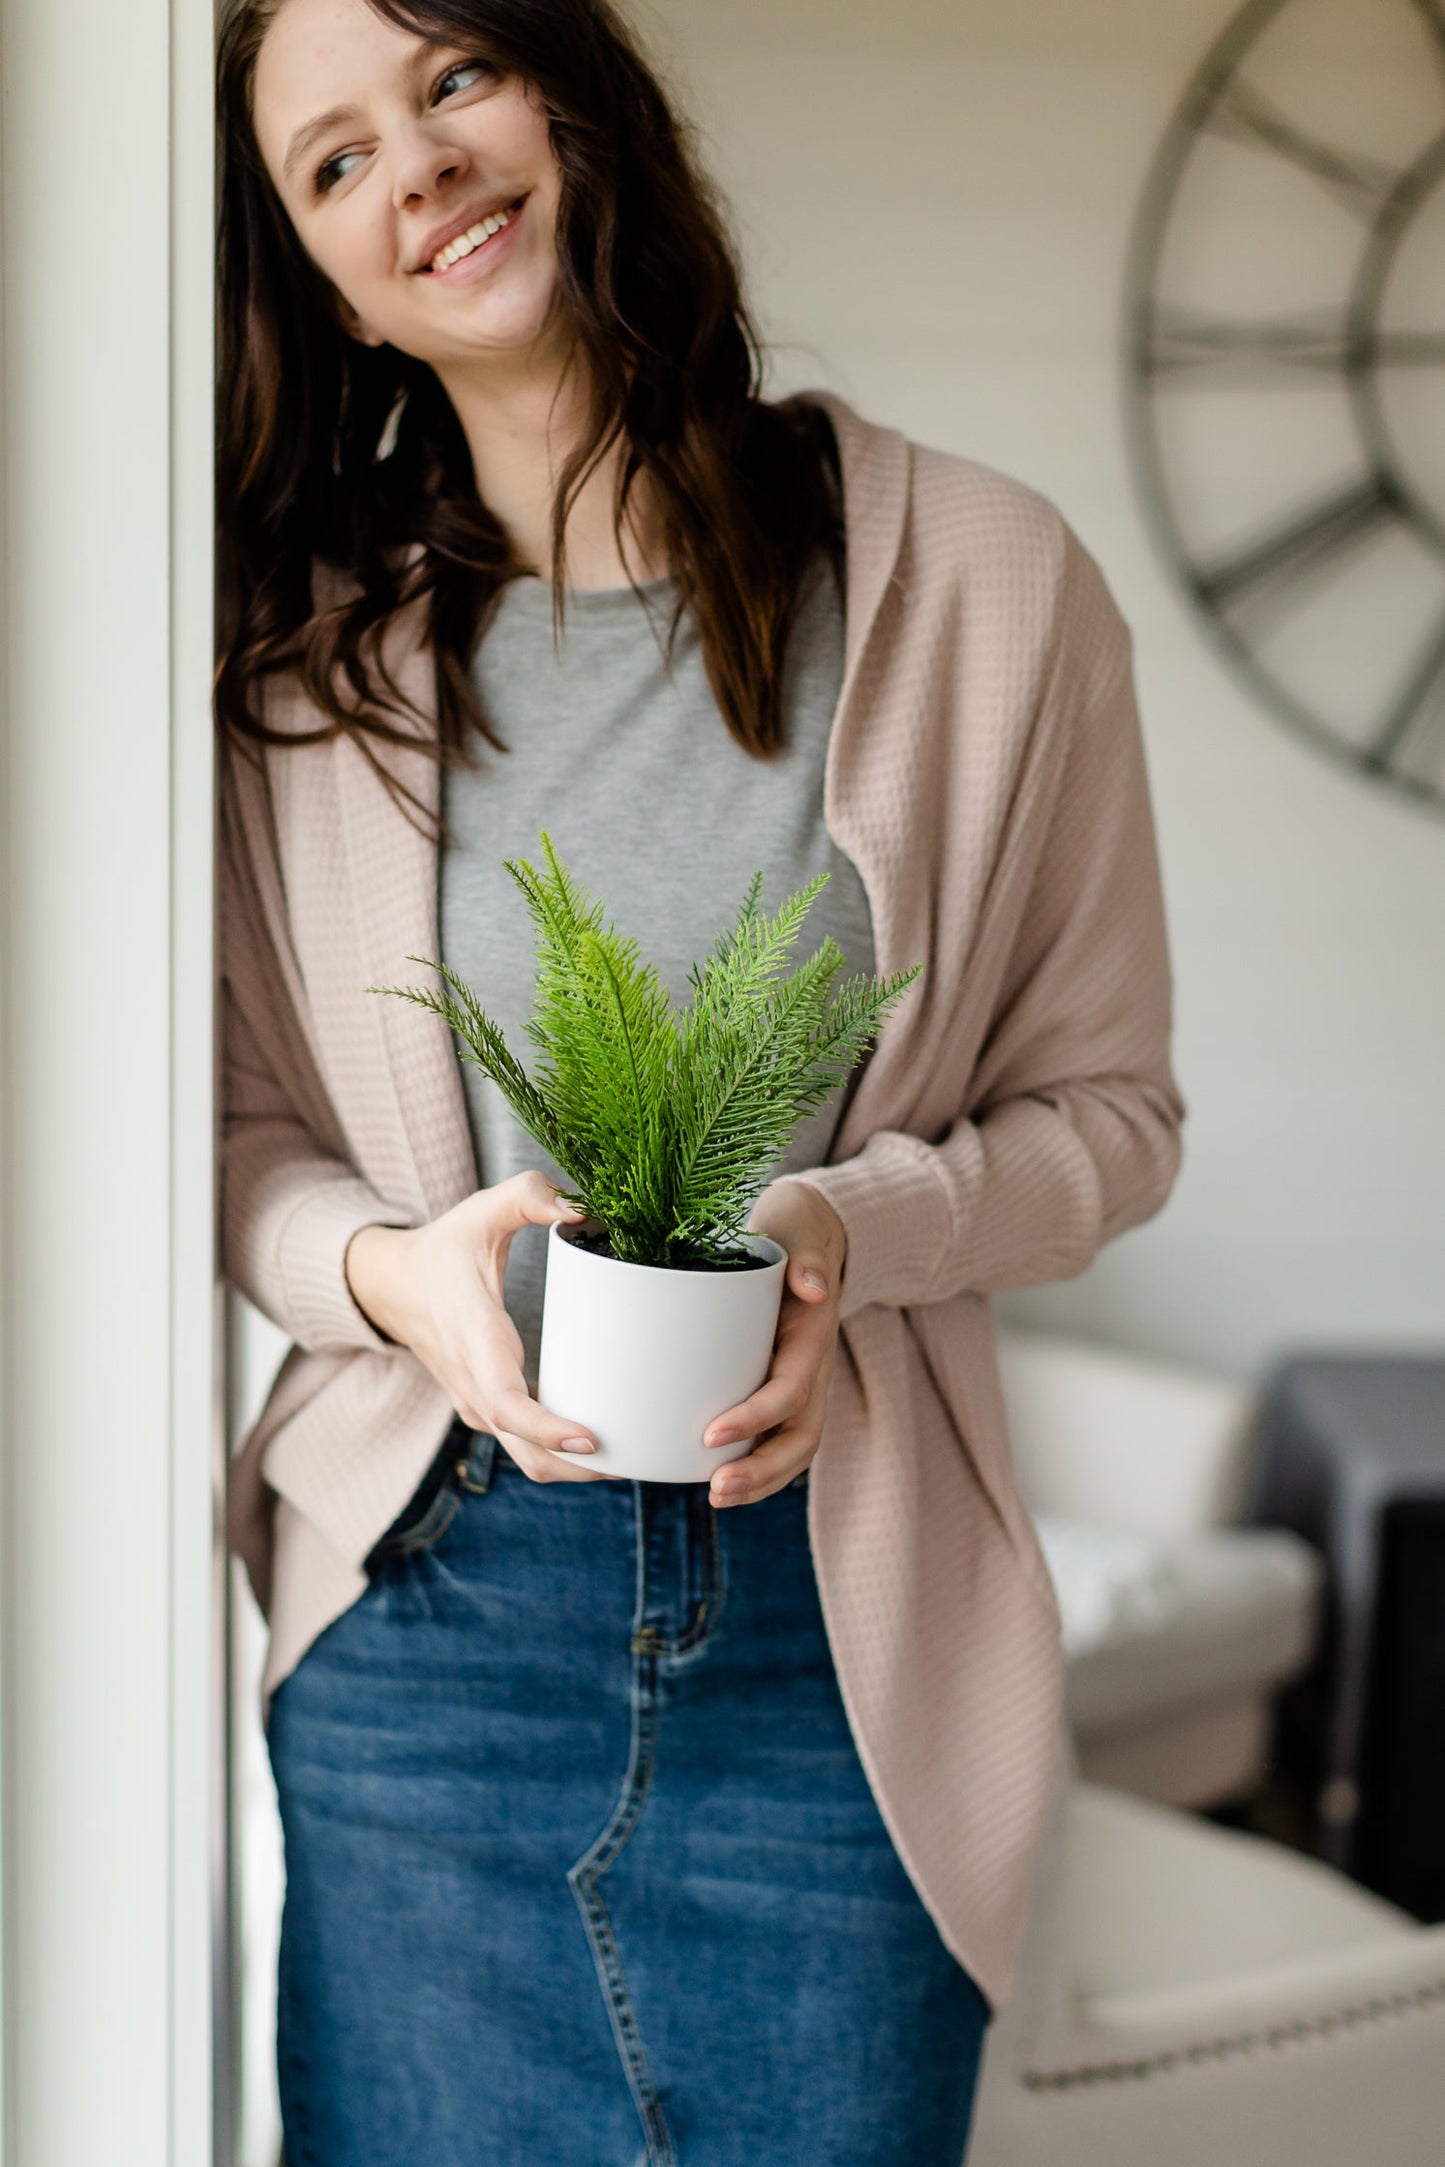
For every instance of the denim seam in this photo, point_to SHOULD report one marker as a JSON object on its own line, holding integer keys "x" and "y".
{"x": 469, "y": 1474}
{"x": 584, "y": 1877}
{"x": 709, "y": 1609}
{"x": 432, "y": 1525}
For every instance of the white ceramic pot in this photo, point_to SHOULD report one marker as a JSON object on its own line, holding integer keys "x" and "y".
{"x": 646, "y": 1358}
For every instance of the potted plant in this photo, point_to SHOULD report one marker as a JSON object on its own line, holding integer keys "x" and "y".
{"x": 660, "y": 1309}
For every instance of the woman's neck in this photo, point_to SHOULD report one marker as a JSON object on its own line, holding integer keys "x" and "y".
{"x": 521, "y": 425}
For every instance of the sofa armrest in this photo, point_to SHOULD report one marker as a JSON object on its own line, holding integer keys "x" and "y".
{"x": 1110, "y": 1438}
{"x": 1324, "y": 1994}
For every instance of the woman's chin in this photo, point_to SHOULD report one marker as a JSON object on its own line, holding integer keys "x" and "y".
{"x": 494, "y": 324}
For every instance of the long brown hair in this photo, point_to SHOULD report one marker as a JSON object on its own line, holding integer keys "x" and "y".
{"x": 650, "y": 282}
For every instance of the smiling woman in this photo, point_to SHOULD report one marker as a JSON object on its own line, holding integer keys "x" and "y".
{"x": 472, "y": 245}
{"x": 362, "y": 138}
{"x": 598, "y": 1834}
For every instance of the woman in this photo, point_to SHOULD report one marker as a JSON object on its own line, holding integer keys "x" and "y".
{"x": 635, "y": 1821}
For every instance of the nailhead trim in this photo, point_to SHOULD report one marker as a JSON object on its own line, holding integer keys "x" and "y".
{"x": 1276, "y": 2035}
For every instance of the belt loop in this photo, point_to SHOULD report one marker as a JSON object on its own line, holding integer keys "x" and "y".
{"x": 475, "y": 1470}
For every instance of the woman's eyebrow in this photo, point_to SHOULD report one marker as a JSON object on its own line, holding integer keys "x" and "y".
{"x": 305, "y": 136}
{"x": 334, "y": 115}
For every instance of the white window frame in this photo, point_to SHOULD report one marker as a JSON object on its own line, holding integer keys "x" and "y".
{"x": 113, "y": 1909}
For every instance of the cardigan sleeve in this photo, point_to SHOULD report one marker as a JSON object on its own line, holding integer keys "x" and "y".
{"x": 290, "y": 1201}
{"x": 1072, "y": 1129}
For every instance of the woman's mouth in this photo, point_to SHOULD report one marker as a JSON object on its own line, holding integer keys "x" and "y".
{"x": 469, "y": 253}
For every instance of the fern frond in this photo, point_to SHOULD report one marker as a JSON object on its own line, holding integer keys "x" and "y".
{"x": 485, "y": 1046}
{"x": 669, "y": 1123}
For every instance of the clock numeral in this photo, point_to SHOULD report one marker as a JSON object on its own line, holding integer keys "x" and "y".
{"x": 1313, "y": 538}
{"x": 1183, "y": 338}
{"x": 1242, "y": 115}
{"x": 1409, "y": 349}
{"x": 1177, "y": 339}
{"x": 1425, "y": 681}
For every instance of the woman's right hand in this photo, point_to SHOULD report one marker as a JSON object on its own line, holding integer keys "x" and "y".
{"x": 437, "y": 1289}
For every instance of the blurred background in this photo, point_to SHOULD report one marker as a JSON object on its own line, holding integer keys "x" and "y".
{"x": 1183, "y": 270}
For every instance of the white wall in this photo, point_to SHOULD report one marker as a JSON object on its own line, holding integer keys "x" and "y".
{"x": 933, "y": 197}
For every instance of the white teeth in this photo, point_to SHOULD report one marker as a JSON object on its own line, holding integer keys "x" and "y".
{"x": 464, "y": 243}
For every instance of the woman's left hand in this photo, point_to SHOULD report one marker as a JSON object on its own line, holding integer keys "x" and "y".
{"x": 785, "y": 1413}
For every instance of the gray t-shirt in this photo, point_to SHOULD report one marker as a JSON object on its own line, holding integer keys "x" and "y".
{"x": 656, "y": 811}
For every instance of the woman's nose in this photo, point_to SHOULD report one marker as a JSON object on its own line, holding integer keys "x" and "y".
{"x": 423, "y": 163}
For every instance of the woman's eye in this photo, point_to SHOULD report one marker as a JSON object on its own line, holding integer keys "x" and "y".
{"x": 327, "y": 175}
{"x": 463, "y": 67}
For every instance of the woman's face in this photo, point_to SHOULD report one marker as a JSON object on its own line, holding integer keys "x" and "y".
{"x": 430, "y": 140}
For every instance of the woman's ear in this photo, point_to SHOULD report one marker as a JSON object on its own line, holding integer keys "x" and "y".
{"x": 354, "y": 326}
{"x": 362, "y": 331}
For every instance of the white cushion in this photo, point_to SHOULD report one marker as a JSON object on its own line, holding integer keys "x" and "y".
{"x": 1110, "y": 1583}
{"x": 1121, "y": 1439}
{"x": 1152, "y": 1625}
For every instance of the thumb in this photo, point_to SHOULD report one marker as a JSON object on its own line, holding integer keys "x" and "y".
{"x": 536, "y": 1201}
{"x": 808, "y": 1276}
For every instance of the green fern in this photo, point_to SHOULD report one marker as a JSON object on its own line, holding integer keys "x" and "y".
{"x": 668, "y": 1123}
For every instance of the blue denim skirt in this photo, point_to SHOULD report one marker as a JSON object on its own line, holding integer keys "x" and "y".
{"x": 582, "y": 1866}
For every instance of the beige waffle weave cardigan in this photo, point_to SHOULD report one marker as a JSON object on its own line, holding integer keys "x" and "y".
{"x": 986, "y": 774}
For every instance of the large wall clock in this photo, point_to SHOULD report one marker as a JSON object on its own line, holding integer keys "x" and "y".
{"x": 1286, "y": 370}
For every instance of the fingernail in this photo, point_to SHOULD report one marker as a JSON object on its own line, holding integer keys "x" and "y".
{"x": 577, "y": 1444}
{"x": 729, "y": 1492}
{"x": 724, "y": 1437}
{"x": 815, "y": 1279}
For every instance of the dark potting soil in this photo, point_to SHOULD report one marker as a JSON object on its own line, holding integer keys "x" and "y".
{"x": 737, "y": 1260}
